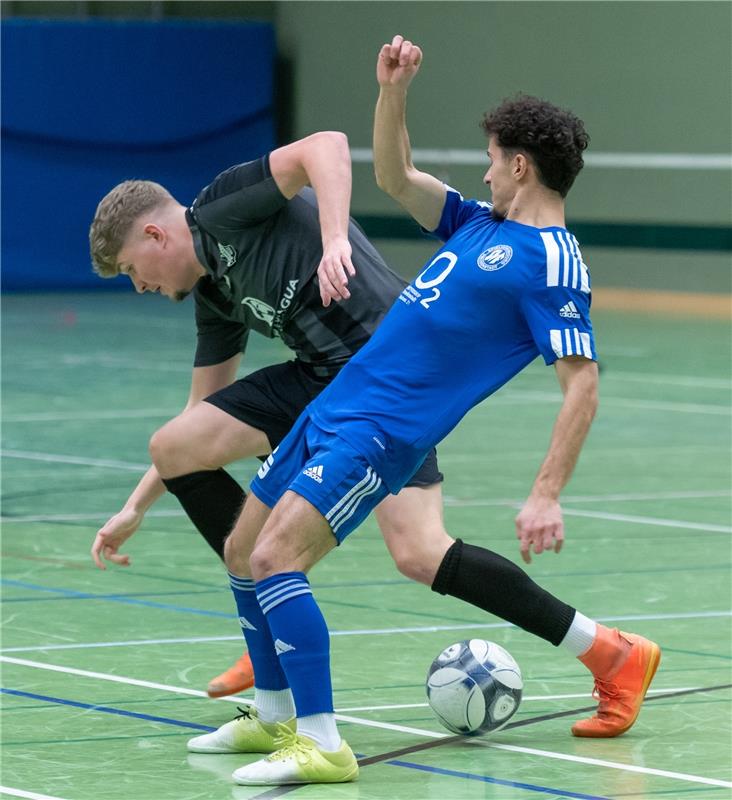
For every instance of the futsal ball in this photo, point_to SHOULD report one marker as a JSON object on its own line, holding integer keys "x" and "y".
{"x": 474, "y": 687}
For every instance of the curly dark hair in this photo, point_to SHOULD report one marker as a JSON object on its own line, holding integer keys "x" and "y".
{"x": 553, "y": 137}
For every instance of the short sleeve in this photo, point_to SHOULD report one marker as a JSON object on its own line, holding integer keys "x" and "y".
{"x": 557, "y": 306}
{"x": 242, "y": 196}
{"x": 456, "y": 212}
{"x": 218, "y": 339}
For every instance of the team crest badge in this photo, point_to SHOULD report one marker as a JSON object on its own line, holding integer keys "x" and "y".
{"x": 495, "y": 257}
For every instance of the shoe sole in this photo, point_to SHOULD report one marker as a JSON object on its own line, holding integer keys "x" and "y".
{"x": 653, "y": 663}
{"x": 351, "y": 776}
{"x": 242, "y": 687}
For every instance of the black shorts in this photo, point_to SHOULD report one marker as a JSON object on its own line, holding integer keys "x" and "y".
{"x": 271, "y": 399}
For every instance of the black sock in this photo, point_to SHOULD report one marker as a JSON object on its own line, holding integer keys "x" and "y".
{"x": 212, "y": 499}
{"x": 497, "y": 585}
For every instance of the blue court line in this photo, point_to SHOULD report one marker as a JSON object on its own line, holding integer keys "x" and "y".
{"x": 108, "y": 710}
{"x": 111, "y": 596}
{"x": 531, "y": 787}
{"x": 407, "y": 764}
{"x": 69, "y": 593}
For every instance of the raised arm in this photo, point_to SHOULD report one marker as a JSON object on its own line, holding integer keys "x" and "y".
{"x": 118, "y": 529}
{"x": 539, "y": 525}
{"x": 322, "y": 160}
{"x": 420, "y": 193}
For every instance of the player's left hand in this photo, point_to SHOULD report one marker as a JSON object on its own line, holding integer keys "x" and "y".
{"x": 539, "y": 526}
{"x": 333, "y": 271}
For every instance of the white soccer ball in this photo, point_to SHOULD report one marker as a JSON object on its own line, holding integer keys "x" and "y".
{"x": 474, "y": 687}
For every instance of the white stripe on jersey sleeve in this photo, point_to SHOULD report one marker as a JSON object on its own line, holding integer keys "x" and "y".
{"x": 584, "y": 274}
{"x": 571, "y": 244}
{"x": 566, "y": 260}
{"x": 555, "y": 337}
{"x": 586, "y": 346}
{"x": 552, "y": 259}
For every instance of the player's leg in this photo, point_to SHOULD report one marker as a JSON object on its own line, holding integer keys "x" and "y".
{"x": 411, "y": 523}
{"x": 329, "y": 498}
{"x": 248, "y": 418}
{"x": 413, "y": 530}
{"x": 189, "y": 453}
{"x": 622, "y": 664}
{"x": 255, "y": 730}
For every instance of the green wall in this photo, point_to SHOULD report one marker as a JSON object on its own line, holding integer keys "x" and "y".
{"x": 646, "y": 77}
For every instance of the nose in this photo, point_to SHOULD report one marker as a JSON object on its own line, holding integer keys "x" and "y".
{"x": 487, "y": 178}
{"x": 140, "y": 287}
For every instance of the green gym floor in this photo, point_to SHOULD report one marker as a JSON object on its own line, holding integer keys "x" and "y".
{"x": 103, "y": 672}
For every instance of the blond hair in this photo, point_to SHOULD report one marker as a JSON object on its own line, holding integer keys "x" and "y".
{"x": 114, "y": 218}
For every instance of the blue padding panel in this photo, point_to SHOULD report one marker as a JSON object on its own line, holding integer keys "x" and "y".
{"x": 88, "y": 104}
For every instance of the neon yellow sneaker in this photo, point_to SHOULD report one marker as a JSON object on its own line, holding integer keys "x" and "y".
{"x": 244, "y": 734}
{"x": 300, "y": 760}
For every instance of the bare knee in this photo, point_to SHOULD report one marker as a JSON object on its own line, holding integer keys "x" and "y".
{"x": 417, "y": 552}
{"x": 172, "y": 452}
{"x": 236, "y": 558}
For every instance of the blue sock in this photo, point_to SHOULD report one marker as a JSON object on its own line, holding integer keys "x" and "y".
{"x": 268, "y": 673}
{"x": 301, "y": 639}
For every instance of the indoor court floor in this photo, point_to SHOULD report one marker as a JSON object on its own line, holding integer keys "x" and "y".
{"x": 103, "y": 672}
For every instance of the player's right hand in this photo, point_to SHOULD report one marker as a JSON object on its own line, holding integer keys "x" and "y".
{"x": 112, "y": 535}
{"x": 398, "y": 63}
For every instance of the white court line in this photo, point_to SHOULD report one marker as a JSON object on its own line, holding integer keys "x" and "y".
{"x": 447, "y": 156}
{"x": 597, "y": 762}
{"x": 68, "y": 416}
{"x": 364, "y": 632}
{"x": 64, "y": 459}
{"x": 598, "y": 498}
{"x": 664, "y": 523}
{"x": 670, "y": 380}
{"x": 524, "y": 699}
{"x": 514, "y": 396}
{"x": 384, "y": 725}
{"x": 455, "y": 502}
{"x": 104, "y": 515}
{"x": 29, "y": 795}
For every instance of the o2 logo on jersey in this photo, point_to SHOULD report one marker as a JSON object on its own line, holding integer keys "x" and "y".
{"x": 436, "y": 272}
{"x": 495, "y": 257}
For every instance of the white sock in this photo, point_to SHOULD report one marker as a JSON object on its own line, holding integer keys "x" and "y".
{"x": 321, "y": 728}
{"x": 274, "y": 705}
{"x": 581, "y": 635}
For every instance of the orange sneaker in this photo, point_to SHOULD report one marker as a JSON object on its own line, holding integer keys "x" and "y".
{"x": 236, "y": 679}
{"x": 623, "y": 665}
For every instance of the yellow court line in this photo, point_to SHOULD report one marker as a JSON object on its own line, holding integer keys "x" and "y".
{"x": 661, "y": 302}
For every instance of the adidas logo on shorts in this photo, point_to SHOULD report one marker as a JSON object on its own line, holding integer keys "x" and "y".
{"x": 316, "y": 473}
{"x": 569, "y": 311}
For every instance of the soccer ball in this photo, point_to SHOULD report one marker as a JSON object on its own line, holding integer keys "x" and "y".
{"x": 474, "y": 687}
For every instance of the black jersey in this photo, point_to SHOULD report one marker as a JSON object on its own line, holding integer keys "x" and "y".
{"x": 261, "y": 253}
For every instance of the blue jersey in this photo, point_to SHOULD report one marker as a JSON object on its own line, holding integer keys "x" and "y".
{"x": 497, "y": 295}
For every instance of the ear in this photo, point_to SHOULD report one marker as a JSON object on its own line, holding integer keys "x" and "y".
{"x": 154, "y": 232}
{"x": 520, "y": 166}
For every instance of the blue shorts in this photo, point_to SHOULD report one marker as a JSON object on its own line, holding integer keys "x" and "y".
{"x": 326, "y": 471}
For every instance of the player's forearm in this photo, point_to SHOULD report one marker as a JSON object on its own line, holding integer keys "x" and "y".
{"x": 569, "y": 433}
{"x": 328, "y": 167}
{"x": 146, "y": 493}
{"x": 392, "y": 151}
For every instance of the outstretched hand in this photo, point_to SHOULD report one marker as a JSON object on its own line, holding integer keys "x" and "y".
{"x": 333, "y": 271}
{"x": 112, "y": 535}
{"x": 398, "y": 63}
{"x": 539, "y": 526}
